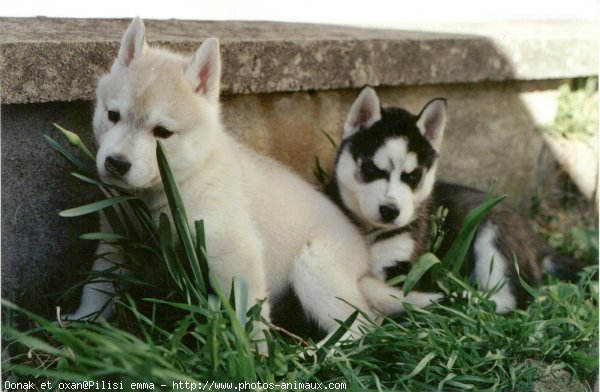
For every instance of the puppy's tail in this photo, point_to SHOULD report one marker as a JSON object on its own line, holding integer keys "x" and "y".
{"x": 563, "y": 267}
{"x": 389, "y": 300}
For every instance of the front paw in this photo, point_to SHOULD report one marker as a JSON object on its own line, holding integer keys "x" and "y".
{"x": 420, "y": 299}
{"x": 80, "y": 315}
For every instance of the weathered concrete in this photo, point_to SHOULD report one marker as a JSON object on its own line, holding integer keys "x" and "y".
{"x": 41, "y": 255}
{"x": 46, "y": 60}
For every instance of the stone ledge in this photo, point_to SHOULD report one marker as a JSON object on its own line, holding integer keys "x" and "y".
{"x": 48, "y": 59}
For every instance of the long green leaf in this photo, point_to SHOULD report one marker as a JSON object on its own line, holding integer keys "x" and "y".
{"x": 339, "y": 333}
{"x": 238, "y": 329}
{"x": 240, "y": 294}
{"x": 94, "y": 207}
{"x": 102, "y": 236}
{"x": 78, "y": 163}
{"x": 423, "y": 264}
{"x": 420, "y": 366}
{"x": 201, "y": 250}
{"x": 328, "y": 136}
{"x": 178, "y": 214}
{"x": 33, "y": 342}
{"x": 455, "y": 256}
{"x": 168, "y": 251}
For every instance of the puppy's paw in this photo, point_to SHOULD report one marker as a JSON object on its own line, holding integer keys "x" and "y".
{"x": 64, "y": 319}
{"x": 420, "y": 299}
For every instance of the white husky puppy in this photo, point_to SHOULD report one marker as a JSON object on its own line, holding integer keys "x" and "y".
{"x": 263, "y": 223}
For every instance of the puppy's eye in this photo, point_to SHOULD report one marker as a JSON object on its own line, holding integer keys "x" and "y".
{"x": 369, "y": 172}
{"x": 114, "y": 116}
{"x": 413, "y": 178}
{"x": 161, "y": 132}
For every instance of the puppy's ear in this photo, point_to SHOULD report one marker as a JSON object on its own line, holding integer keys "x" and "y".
{"x": 365, "y": 111}
{"x": 133, "y": 44}
{"x": 432, "y": 122}
{"x": 204, "y": 71}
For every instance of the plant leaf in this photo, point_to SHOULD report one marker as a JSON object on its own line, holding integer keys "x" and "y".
{"x": 178, "y": 214}
{"x": 98, "y": 236}
{"x": 423, "y": 264}
{"x": 94, "y": 207}
{"x": 455, "y": 256}
{"x": 78, "y": 163}
{"x": 75, "y": 140}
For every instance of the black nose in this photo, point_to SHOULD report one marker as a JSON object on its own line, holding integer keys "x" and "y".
{"x": 388, "y": 213}
{"x": 117, "y": 165}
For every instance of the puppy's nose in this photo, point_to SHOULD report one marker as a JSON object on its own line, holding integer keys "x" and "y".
{"x": 388, "y": 213}
{"x": 117, "y": 165}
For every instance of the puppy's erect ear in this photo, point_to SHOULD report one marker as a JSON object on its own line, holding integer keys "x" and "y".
{"x": 432, "y": 122}
{"x": 133, "y": 43}
{"x": 365, "y": 111}
{"x": 204, "y": 71}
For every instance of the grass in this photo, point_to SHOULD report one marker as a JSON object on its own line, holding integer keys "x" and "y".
{"x": 171, "y": 327}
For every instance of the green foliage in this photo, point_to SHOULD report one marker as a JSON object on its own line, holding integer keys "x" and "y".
{"x": 436, "y": 229}
{"x": 577, "y": 112}
{"x": 581, "y": 242}
{"x": 183, "y": 333}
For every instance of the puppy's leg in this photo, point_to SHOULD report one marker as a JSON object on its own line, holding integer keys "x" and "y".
{"x": 491, "y": 269}
{"x": 389, "y": 300}
{"x": 97, "y": 296}
{"x": 242, "y": 256}
{"x": 323, "y": 284}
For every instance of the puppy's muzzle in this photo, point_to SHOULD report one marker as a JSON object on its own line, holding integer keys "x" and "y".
{"x": 117, "y": 165}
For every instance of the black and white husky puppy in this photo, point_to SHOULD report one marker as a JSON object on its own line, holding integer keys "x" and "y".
{"x": 385, "y": 181}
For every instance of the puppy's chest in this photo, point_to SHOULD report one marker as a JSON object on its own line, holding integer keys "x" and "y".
{"x": 393, "y": 251}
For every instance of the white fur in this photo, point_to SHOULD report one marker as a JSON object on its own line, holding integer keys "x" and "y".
{"x": 386, "y": 253}
{"x": 262, "y": 222}
{"x": 490, "y": 269}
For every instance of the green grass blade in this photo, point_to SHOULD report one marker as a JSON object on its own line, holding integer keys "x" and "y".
{"x": 98, "y": 236}
{"x": 178, "y": 214}
{"x": 320, "y": 174}
{"x": 420, "y": 366}
{"x": 201, "y": 250}
{"x": 32, "y": 342}
{"x": 328, "y": 136}
{"x": 94, "y": 207}
{"x": 240, "y": 295}
{"x": 423, "y": 264}
{"x": 455, "y": 256}
{"x": 87, "y": 179}
{"x": 78, "y": 163}
{"x": 243, "y": 342}
{"x": 337, "y": 335}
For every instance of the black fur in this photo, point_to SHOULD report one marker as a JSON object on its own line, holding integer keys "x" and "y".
{"x": 395, "y": 122}
{"x": 288, "y": 314}
{"x": 384, "y": 235}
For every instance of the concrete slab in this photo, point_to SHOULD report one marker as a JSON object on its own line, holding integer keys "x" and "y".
{"x": 49, "y": 59}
